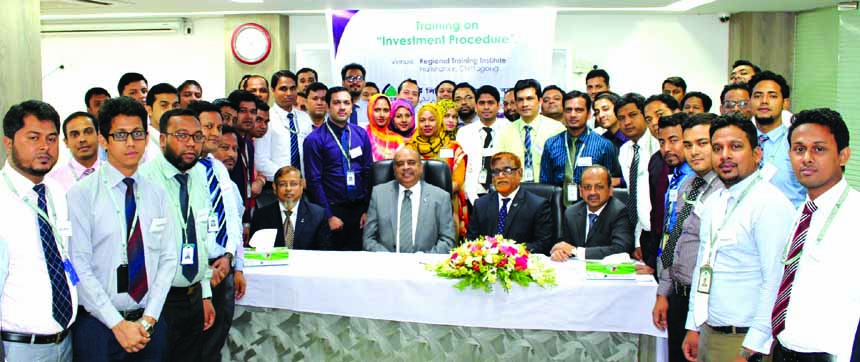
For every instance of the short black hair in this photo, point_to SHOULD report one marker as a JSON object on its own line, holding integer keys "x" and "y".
{"x": 664, "y": 98}
{"x": 224, "y": 102}
{"x": 306, "y": 70}
{"x": 302, "y": 94}
{"x": 467, "y": 86}
{"x": 244, "y": 81}
{"x": 113, "y": 107}
{"x": 698, "y": 119}
{"x": 609, "y": 95}
{"x": 160, "y": 88}
{"x": 768, "y": 75}
{"x": 14, "y": 118}
{"x": 334, "y": 90}
{"x": 739, "y": 121}
{"x": 92, "y": 92}
{"x": 225, "y": 129}
{"x": 165, "y": 118}
{"x": 594, "y": 73}
{"x": 630, "y": 98}
{"x": 351, "y": 66}
{"x": 129, "y": 78}
{"x": 238, "y": 96}
{"x": 188, "y": 83}
{"x": 203, "y": 107}
{"x": 577, "y": 94}
{"x": 673, "y": 120}
{"x": 825, "y": 117}
{"x": 523, "y": 84}
{"x": 408, "y": 80}
{"x": 315, "y": 87}
{"x": 370, "y": 84}
{"x": 706, "y": 101}
{"x": 553, "y": 87}
{"x": 748, "y": 63}
{"x": 488, "y": 89}
{"x": 262, "y": 106}
{"x": 76, "y": 115}
{"x": 675, "y": 81}
{"x": 446, "y": 81}
{"x": 283, "y": 74}
{"x": 733, "y": 86}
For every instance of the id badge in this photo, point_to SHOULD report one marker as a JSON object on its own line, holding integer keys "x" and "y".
{"x": 529, "y": 175}
{"x": 446, "y": 153}
{"x": 350, "y": 178}
{"x": 488, "y": 152}
{"x": 213, "y": 222}
{"x": 187, "y": 254}
{"x": 65, "y": 228}
{"x": 584, "y": 161}
{"x": 673, "y": 195}
{"x": 122, "y": 278}
{"x": 571, "y": 193}
{"x": 482, "y": 176}
{"x": 70, "y": 269}
{"x": 706, "y": 273}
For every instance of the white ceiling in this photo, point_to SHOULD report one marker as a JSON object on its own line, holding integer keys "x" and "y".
{"x": 73, "y": 8}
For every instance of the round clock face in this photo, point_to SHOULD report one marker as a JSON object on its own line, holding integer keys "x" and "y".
{"x": 251, "y": 43}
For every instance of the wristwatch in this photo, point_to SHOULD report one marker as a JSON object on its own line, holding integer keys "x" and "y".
{"x": 751, "y": 356}
{"x": 146, "y": 325}
{"x": 229, "y": 257}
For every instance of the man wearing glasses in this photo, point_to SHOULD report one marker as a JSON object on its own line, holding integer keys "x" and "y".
{"x": 354, "y": 77}
{"x": 735, "y": 98}
{"x": 508, "y": 211}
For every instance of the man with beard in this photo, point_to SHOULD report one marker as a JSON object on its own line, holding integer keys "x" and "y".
{"x": 551, "y": 103}
{"x": 769, "y": 92}
{"x": 244, "y": 174}
{"x": 735, "y": 98}
{"x": 81, "y": 137}
{"x": 188, "y": 309}
{"x": 478, "y": 141}
{"x": 444, "y": 90}
{"x": 317, "y": 107}
{"x": 604, "y": 116}
{"x": 354, "y": 78}
{"x": 464, "y": 98}
{"x": 510, "y": 106}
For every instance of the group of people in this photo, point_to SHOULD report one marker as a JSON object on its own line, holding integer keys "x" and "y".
{"x": 142, "y": 232}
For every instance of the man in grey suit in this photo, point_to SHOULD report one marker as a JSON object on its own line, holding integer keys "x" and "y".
{"x": 396, "y": 208}
{"x": 597, "y": 227}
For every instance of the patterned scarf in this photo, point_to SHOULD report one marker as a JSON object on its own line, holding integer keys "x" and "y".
{"x": 383, "y": 141}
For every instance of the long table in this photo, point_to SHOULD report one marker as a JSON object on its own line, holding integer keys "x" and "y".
{"x": 360, "y": 305}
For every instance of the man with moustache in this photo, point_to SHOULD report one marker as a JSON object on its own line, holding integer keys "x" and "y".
{"x": 228, "y": 150}
{"x": 338, "y": 160}
{"x": 354, "y": 78}
{"x": 409, "y": 199}
{"x": 81, "y": 138}
{"x": 568, "y": 153}
{"x": 257, "y": 85}
{"x": 696, "y": 102}
{"x": 306, "y": 77}
{"x": 769, "y": 93}
{"x": 735, "y": 98}
{"x": 300, "y": 224}
{"x": 243, "y": 173}
{"x": 464, "y": 98}
{"x": 678, "y": 257}
{"x": 478, "y": 140}
{"x": 445, "y": 90}
{"x": 188, "y": 308}
{"x": 551, "y": 103}
{"x": 317, "y": 107}
{"x": 744, "y": 230}
{"x": 161, "y": 98}
{"x": 510, "y": 106}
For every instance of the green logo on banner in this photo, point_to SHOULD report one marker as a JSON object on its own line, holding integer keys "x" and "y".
{"x": 389, "y": 90}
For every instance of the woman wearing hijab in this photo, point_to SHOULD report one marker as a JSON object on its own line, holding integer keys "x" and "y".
{"x": 449, "y": 110}
{"x": 431, "y": 143}
{"x": 383, "y": 141}
{"x": 402, "y": 119}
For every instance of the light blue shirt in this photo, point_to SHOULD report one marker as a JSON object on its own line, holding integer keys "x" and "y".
{"x": 98, "y": 243}
{"x": 747, "y": 263}
{"x": 775, "y": 152}
{"x": 672, "y": 208}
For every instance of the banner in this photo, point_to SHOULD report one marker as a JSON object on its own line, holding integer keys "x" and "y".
{"x": 479, "y": 46}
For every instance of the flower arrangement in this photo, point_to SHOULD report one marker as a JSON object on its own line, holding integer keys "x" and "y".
{"x": 481, "y": 263}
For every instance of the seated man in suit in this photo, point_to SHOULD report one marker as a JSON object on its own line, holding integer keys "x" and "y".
{"x": 397, "y": 206}
{"x": 307, "y": 227}
{"x": 510, "y": 211}
{"x": 597, "y": 227}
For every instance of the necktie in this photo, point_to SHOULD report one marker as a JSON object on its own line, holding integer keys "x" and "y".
{"x": 61, "y": 296}
{"x": 188, "y": 270}
{"x": 488, "y": 140}
{"x": 762, "y": 138}
{"x": 405, "y": 229}
{"x": 592, "y": 218}
{"x": 88, "y": 172}
{"x": 134, "y": 248}
{"x": 668, "y": 254}
{"x": 289, "y": 233}
{"x": 217, "y": 201}
{"x": 351, "y": 191}
{"x": 528, "y": 147}
{"x": 780, "y": 308}
{"x": 294, "y": 143}
{"x": 353, "y": 118}
{"x": 503, "y": 215}
{"x": 632, "y": 198}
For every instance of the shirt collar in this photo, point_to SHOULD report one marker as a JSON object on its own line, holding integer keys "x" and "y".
{"x": 684, "y": 170}
{"x": 416, "y": 188}
{"x": 78, "y": 169}
{"x": 295, "y": 207}
{"x": 829, "y": 198}
{"x": 775, "y": 134}
{"x": 582, "y": 136}
{"x": 600, "y": 210}
{"x": 114, "y": 177}
{"x": 740, "y": 187}
{"x": 167, "y": 169}
{"x": 21, "y": 183}
{"x": 512, "y": 196}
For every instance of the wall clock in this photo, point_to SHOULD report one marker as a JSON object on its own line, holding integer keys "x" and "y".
{"x": 251, "y": 43}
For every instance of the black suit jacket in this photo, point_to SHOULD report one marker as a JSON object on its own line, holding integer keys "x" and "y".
{"x": 658, "y": 180}
{"x": 528, "y": 220}
{"x": 311, "y": 231}
{"x": 612, "y": 232}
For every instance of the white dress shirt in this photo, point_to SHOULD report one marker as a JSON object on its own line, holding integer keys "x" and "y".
{"x": 71, "y": 172}
{"x": 746, "y": 258}
{"x": 239, "y": 257}
{"x": 293, "y": 216}
{"x": 511, "y": 196}
{"x": 415, "y": 198}
{"x": 824, "y": 307}
{"x": 272, "y": 151}
{"x": 153, "y": 147}
{"x": 99, "y": 241}
{"x": 647, "y": 146}
{"x": 580, "y": 252}
{"x": 235, "y": 239}
{"x": 26, "y": 305}
{"x": 471, "y": 138}
{"x": 363, "y": 121}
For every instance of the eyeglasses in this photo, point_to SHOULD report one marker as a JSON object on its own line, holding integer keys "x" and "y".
{"x": 507, "y": 171}
{"x": 137, "y": 135}
{"x": 354, "y": 78}
{"x": 183, "y": 137}
{"x": 732, "y": 104}
{"x": 466, "y": 98}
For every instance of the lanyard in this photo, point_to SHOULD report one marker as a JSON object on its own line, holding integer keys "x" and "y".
{"x": 728, "y": 216}
{"x": 35, "y": 208}
{"x": 176, "y": 205}
{"x": 248, "y": 168}
{"x": 119, "y": 212}
{"x": 821, "y": 233}
{"x": 570, "y": 162}
{"x": 340, "y": 146}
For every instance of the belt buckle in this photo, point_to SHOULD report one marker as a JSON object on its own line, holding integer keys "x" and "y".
{"x": 190, "y": 290}
{"x": 57, "y": 338}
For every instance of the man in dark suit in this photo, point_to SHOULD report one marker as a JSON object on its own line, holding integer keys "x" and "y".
{"x": 307, "y": 221}
{"x": 514, "y": 213}
{"x": 597, "y": 227}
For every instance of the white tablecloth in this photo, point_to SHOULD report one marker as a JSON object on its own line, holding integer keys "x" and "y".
{"x": 397, "y": 287}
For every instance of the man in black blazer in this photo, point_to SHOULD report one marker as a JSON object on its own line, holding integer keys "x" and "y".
{"x": 597, "y": 227}
{"x": 308, "y": 222}
{"x": 525, "y": 218}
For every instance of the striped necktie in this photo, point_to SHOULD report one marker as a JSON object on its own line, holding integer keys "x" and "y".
{"x": 668, "y": 254}
{"x": 780, "y": 308}
{"x": 632, "y": 198}
{"x": 60, "y": 294}
{"x": 134, "y": 248}
{"x": 294, "y": 143}
{"x": 217, "y": 200}
{"x": 528, "y": 148}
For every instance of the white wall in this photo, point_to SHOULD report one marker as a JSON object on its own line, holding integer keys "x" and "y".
{"x": 98, "y": 60}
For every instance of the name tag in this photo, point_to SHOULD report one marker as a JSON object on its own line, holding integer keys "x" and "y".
{"x": 482, "y": 176}
{"x": 65, "y": 228}
{"x": 157, "y": 225}
{"x": 355, "y": 152}
{"x": 187, "y": 254}
{"x": 583, "y": 161}
{"x": 350, "y": 178}
{"x": 706, "y": 274}
{"x": 571, "y": 193}
{"x": 529, "y": 175}
{"x": 213, "y": 222}
{"x": 446, "y": 153}
{"x": 673, "y": 195}
{"x": 202, "y": 217}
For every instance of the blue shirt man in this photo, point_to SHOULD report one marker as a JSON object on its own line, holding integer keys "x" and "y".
{"x": 776, "y": 165}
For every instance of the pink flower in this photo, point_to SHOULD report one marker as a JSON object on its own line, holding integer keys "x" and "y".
{"x": 454, "y": 256}
{"x": 522, "y": 263}
{"x": 508, "y": 250}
